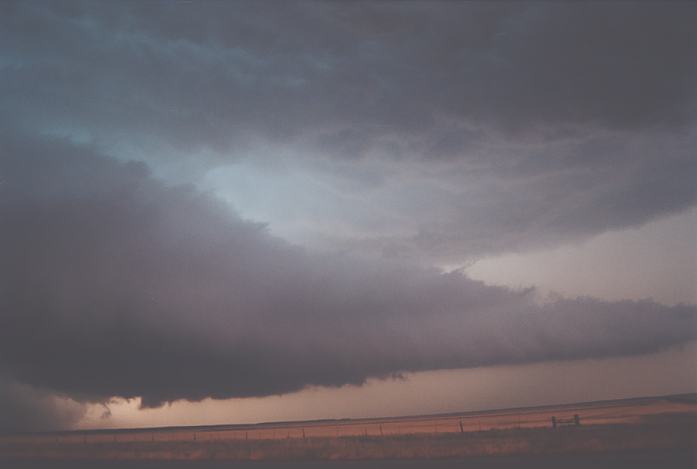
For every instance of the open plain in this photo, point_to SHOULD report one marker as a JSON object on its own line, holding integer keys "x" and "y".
{"x": 638, "y": 430}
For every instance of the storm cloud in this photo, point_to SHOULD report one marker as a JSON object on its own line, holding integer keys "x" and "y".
{"x": 25, "y": 408}
{"x": 439, "y": 131}
{"x": 228, "y": 199}
{"x": 116, "y": 284}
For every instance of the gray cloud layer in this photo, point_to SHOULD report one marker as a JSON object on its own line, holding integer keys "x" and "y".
{"x": 434, "y": 131}
{"x": 114, "y": 284}
{"x": 213, "y": 71}
{"x": 468, "y": 128}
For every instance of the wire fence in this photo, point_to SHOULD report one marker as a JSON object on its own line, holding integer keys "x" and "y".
{"x": 351, "y": 428}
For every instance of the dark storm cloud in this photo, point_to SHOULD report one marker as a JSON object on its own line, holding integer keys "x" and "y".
{"x": 444, "y": 131}
{"x": 24, "y": 408}
{"x": 216, "y": 70}
{"x": 115, "y": 284}
{"x": 489, "y": 112}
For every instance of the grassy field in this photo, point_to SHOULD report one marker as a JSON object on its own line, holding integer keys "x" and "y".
{"x": 665, "y": 424}
{"x": 644, "y": 459}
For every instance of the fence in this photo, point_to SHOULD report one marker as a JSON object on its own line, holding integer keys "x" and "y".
{"x": 575, "y": 421}
{"x": 351, "y": 428}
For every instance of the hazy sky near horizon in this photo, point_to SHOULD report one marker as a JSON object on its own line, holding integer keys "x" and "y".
{"x": 213, "y": 204}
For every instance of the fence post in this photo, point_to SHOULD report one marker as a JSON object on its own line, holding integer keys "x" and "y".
{"x": 381, "y": 434}
{"x": 554, "y": 422}
{"x": 462, "y": 429}
{"x": 577, "y": 420}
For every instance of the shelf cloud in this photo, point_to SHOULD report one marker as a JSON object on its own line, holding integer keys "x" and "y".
{"x": 133, "y": 136}
{"x": 116, "y": 284}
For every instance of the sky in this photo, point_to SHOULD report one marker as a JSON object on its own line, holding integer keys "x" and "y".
{"x": 221, "y": 212}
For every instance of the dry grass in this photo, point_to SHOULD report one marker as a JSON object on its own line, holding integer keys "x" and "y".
{"x": 621, "y": 425}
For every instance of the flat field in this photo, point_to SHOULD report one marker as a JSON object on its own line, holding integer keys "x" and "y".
{"x": 658, "y": 425}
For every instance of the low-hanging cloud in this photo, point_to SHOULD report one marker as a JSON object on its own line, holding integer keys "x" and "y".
{"x": 113, "y": 283}
{"x": 25, "y": 408}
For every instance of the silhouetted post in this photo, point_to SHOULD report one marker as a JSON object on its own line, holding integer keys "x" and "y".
{"x": 194, "y": 436}
{"x": 381, "y": 434}
{"x": 462, "y": 429}
{"x": 577, "y": 420}
{"x": 303, "y": 433}
{"x": 554, "y": 422}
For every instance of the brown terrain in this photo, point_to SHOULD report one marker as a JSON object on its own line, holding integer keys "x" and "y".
{"x": 658, "y": 423}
